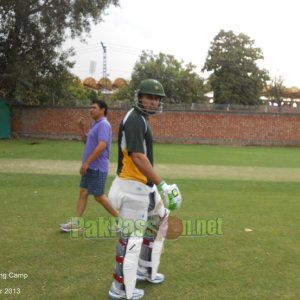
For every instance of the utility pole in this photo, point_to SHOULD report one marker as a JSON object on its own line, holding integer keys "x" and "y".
{"x": 104, "y": 60}
{"x": 104, "y": 68}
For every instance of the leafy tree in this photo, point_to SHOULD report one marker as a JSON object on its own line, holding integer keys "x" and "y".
{"x": 122, "y": 97}
{"x": 31, "y": 32}
{"x": 181, "y": 84}
{"x": 235, "y": 78}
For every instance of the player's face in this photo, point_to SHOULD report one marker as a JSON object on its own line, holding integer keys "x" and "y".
{"x": 96, "y": 112}
{"x": 151, "y": 103}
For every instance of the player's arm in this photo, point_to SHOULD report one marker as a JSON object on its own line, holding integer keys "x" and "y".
{"x": 171, "y": 193}
{"x": 143, "y": 164}
{"x": 97, "y": 151}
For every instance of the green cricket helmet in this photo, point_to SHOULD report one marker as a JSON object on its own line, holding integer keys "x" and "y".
{"x": 149, "y": 87}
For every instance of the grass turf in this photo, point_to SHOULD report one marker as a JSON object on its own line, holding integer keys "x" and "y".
{"x": 261, "y": 264}
{"x": 287, "y": 157}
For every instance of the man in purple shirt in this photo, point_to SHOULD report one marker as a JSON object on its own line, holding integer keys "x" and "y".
{"x": 95, "y": 161}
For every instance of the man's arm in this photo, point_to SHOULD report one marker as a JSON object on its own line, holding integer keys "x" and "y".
{"x": 143, "y": 164}
{"x": 82, "y": 133}
{"x": 97, "y": 151}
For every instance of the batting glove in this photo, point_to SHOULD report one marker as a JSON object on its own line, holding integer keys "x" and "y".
{"x": 170, "y": 194}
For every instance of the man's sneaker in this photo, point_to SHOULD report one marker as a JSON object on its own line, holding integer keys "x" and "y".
{"x": 146, "y": 276}
{"x": 115, "y": 293}
{"x": 69, "y": 226}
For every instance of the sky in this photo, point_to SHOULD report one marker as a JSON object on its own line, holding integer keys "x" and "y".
{"x": 186, "y": 29}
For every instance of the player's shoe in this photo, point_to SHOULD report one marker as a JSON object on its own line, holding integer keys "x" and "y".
{"x": 141, "y": 276}
{"x": 115, "y": 293}
{"x": 69, "y": 226}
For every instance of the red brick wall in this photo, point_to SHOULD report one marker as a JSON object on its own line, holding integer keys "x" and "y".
{"x": 171, "y": 127}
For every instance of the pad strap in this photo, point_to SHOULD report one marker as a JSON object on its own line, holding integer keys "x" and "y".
{"x": 118, "y": 278}
{"x": 119, "y": 259}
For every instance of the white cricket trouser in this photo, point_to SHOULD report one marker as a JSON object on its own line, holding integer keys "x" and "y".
{"x": 131, "y": 198}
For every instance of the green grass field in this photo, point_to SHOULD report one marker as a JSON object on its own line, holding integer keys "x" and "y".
{"x": 259, "y": 264}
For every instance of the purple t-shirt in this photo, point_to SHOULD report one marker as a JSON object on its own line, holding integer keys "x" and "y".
{"x": 100, "y": 131}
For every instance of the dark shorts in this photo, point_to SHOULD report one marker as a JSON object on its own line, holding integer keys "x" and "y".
{"x": 94, "y": 182}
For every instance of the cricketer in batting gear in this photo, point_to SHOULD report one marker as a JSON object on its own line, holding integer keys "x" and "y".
{"x": 133, "y": 194}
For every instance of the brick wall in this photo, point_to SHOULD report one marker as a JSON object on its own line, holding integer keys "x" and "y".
{"x": 171, "y": 127}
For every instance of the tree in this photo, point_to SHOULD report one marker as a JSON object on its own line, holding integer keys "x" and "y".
{"x": 235, "y": 78}
{"x": 276, "y": 90}
{"x": 76, "y": 94}
{"x": 181, "y": 84}
{"x": 31, "y": 33}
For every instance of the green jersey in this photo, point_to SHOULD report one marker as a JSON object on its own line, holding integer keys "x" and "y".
{"x": 135, "y": 135}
